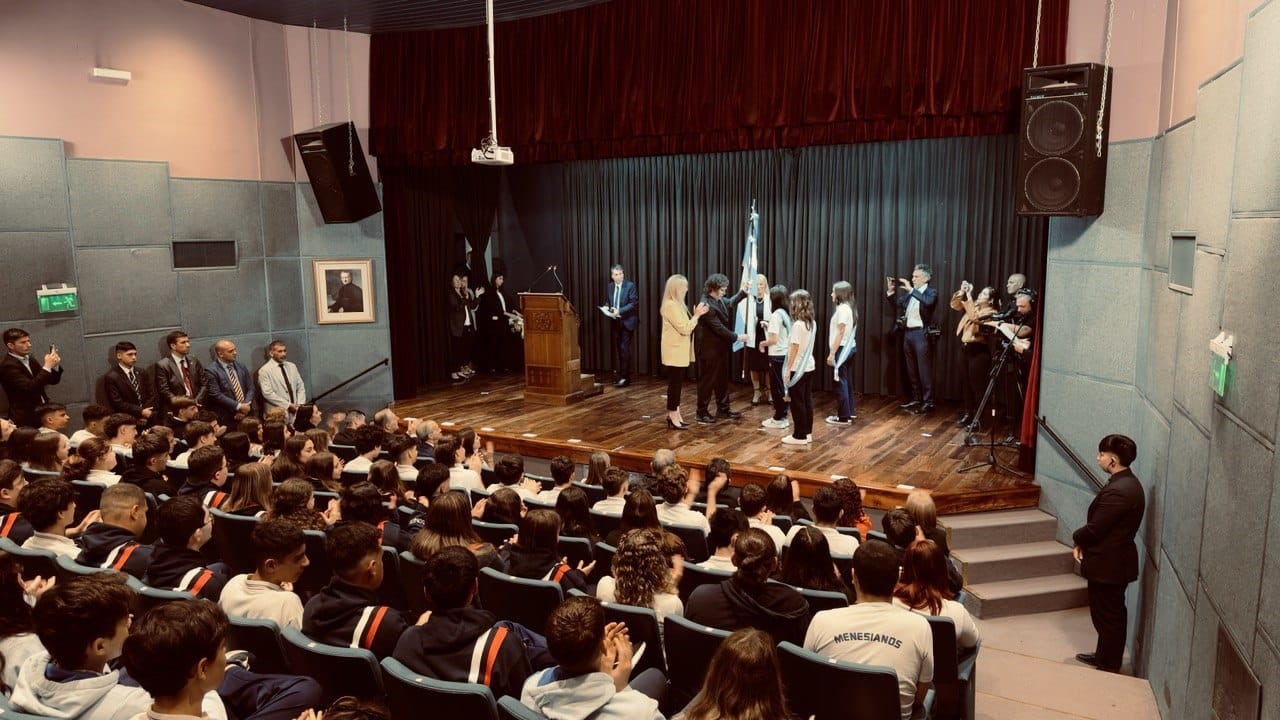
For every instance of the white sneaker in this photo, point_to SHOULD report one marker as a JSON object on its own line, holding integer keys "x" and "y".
{"x": 771, "y": 423}
{"x": 793, "y": 440}
{"x": 835, "y": 420}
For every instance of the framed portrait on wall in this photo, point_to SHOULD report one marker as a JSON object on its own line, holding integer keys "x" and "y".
{"x": 343, "y": 291}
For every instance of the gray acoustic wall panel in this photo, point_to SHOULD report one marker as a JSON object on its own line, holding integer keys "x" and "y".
{"x": 279, "y": 219}
{"x": 1204, "y": 651}
{"x": 116, "y": 202}
{"x": 33, "y": 183}
{"x": 1156, "y": 356}
{"x": 231, "y": 301}
{"x": 218, "y": 209}
{"x": 1184, "y": 499}
{"x": 316, "y": 239}
{"x": 1170, "y": 651}
{"x": 1213, "y": 162}
{"x": 1269, "y": 609}
{"x": 1151, "y": 468}
{"x": 127, "y": 288}
{"x": 99, "y": 354}
{"x": 1236, "y": 498}
{"x": 1253, "y": 264}
{"x": 1266, "y": 665}
{"x": 45, "y": 258}
{"x": 1201, "y": 313}
{"x": 1257, "y": 175}
{"x": 1169, "y": 213}
{"x": 339, "y": 352}
{"x": 1078, "y": 302}
{"x": 285, "y": 299}
{"x": 1115, "y": 236}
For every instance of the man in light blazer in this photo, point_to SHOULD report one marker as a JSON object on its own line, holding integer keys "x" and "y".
{"x": 178, "y": 374}
{"x": 230, "y": 393}
{"x": 623, "y": 301}
{"x": 280, "y": 382}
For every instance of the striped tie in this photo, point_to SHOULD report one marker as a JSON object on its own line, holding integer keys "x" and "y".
{"x": 235, "y": 384}
{"x": 133, "y": 380}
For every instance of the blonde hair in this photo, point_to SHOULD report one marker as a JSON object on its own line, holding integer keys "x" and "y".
{"x": 760, "y": 278}
{"x": 922, "y": 509}
{"x": 676, "y": 285}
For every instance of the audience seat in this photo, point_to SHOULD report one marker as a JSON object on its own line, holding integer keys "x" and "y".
{"x": 694, "y": 576}
{"x": 411, "y": 696}
{"x": 689, "y": 647}
{"x": 317, "y": 573}
{"x": 510, "y": 708}
{"x": 349, "y": 478}
{"x": 595, "y": 493}
{"x": 88, "y": 498}
{"x": 346, "y": 452}
{"x": 954, "y": 684}
{"x": 391, "y": 593}
{"x": 602, "y": 553}
{"x": 149, "y": 597}
{"x": 35, "y": 563}
{"x": 642, "y": 627}
{"x": 829, "y": 689}
{"x": 33, "y": 475}
{"x": 576, "y": 549}
{"x": 695, "y": 540}
{"x": 820, "y": 600}
{"x": 232, "y": 536}
{"x": 339, "y": 670}
{"x": 323, "y": 497}
{"x": 783, "y": 523}
{"x": 411, "y": 573}
{"x": 261, "y": 638}
{"x": 534, "y": 504}
{"x": 605, "y": 523}
{"x": 496, "y": 533}
{"x": 877, "y": 535}
{"x": 68, "y": 569}
{"x": 528, "y": 602}
{"x": 176, "y": 475}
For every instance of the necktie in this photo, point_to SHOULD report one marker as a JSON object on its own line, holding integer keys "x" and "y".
{"x": 287, "y": 385}
{"x": 186, "y": 378}
{"x": 235, "y": 383}
{"x": 133, "y": 380}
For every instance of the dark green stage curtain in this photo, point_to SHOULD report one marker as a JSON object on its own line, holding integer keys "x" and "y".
{"x": 854, "y": 212}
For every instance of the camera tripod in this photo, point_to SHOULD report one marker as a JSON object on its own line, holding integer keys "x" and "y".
{"x": 996, "y": 372}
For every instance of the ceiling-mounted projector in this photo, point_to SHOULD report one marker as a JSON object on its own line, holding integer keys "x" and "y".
{"x": 493, "y": 156}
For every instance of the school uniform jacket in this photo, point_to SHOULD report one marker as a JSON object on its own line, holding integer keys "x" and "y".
{"x": 542, "y": 565}
{"x": 14, "y": 526}
{"x": 344, "y": 615}
{"x": 183, "y": 569}
{"x": 112, "y": 547}
{"x": 466, "y": 645}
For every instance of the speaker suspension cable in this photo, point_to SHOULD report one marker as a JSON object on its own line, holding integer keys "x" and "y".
{"x": 1106, "y": 73}
{"x": 351, "y": 121}
{"x": 1035, "y": 54}
{"x": 315, "y": 76}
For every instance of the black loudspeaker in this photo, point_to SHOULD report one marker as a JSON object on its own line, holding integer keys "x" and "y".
{"x": 343, "y": 188}
{"x": 1060, "y": 171}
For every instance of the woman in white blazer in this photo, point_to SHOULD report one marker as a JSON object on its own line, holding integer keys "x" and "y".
{"x": 677, "y": 342}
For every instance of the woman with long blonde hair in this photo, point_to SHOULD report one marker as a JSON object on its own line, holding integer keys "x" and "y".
{"x": 755, "y": 361}
{"x": 797, "y": 371}
{"x": 677, "y": 342}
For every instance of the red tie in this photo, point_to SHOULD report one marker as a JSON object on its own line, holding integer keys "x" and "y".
{"x": 186, "y": 378}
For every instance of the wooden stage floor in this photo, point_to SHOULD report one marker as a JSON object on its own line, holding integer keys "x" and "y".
{"x": 883, "y": 451}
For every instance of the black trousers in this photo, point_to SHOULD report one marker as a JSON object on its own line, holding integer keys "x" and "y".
{"x": 622, "y": 346}
{"x": 675, "y": 381}
{"x": 460, "y": 348}
{"x": 919, "y": 357}
{"x": 775, "y": 387}
{"x": 1111, "y": 620}
{"x": 802, "y": 406}
{"x": 713, "y": 379}
{"x": 977, "y": 367}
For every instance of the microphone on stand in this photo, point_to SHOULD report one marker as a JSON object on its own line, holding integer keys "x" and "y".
{"x": 534, "y": 284}
{"x": 556, "y": 275}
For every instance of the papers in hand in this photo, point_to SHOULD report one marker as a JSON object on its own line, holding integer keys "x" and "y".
{"x": 608, "y": 311}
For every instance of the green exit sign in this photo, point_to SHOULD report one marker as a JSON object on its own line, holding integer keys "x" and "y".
{"x": 1219, "y": 374}
{"x": 56, "y": 300}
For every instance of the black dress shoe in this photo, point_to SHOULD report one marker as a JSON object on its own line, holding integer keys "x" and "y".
{"x": 731, "y": 414}
{"x": 623, "y": 382}
{"x": 924, "y": 409}
{"x": 674, "y": 426}
{"x": 1088, "y": 658}
{"x": 908, "y": 405}
{"x": 704, "y": 418}
{"x": 964, "y": 419}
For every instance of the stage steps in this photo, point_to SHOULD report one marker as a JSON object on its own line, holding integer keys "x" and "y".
{"x": 1013, "y": 563}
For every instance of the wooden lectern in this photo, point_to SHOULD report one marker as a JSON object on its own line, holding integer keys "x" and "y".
{"x": 552, "y": 368}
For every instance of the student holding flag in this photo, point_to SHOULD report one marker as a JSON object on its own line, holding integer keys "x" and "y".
{"x": 841, "y": 339}
{"x": 797, "y": 371}
{"x": 755, "y": 362}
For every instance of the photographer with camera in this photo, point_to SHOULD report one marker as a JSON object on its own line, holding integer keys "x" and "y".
{"x": 974, "y": 336}
{"x": 916, "y": 306}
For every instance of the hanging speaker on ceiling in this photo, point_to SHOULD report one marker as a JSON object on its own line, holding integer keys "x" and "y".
{"x": 338, "y": 173}
{"x": 1060, "y": 168}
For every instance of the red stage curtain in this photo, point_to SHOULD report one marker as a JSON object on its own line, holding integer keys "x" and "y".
{"x": 655, "y": 77}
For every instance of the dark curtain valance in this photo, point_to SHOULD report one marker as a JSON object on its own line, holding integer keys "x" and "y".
{"x": 660, "y": 77}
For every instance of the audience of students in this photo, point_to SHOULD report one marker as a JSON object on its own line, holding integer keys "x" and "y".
{"x": 748, "y": 599}
{"x": 641, "y": 576}
{"x": 279, "y": 557}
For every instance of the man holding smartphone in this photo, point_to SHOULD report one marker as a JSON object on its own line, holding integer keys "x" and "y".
{"x": 24, "y": 379}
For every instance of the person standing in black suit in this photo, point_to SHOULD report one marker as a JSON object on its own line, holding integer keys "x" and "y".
{"x": 623, "y": 301}
{"x": 462, "y": 325}
{"x": 713, "y": 346}
{"x": 178, "y": 374}
{"x": 915, "y": 308}
{"x": 24, "y": 380}
{"x": 349, "y": 297}
{"x": 1106, "y": 550}
{"x": 129, "y": 389}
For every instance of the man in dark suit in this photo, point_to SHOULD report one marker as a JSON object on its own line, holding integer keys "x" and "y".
{"x": 129, "y": 389}
{"x": 24, "y": 380}
{"x": 713, "y": 341}
{"x": 178, "y": 374}
{"x": 915, "y": 307}
{"x": 349, "y": 297}
{"x": 230, "y": 385}
{"x": 624, "y": 307}
{"x": 1106, "y": 550}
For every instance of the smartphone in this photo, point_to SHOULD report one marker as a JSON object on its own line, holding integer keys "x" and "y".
{"x": 53, "y": 348}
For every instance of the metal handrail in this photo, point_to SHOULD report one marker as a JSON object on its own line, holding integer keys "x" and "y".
{"x": 358, "y": 375}
{"x": 1084, "y": 469}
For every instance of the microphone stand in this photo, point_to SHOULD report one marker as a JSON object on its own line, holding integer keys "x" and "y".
{"x": 992, "y": 461}
{"x": 534, "y": 284}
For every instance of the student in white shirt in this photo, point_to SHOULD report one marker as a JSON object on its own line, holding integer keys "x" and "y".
{"x": 562, "y": 469}
{"x": 640, "y": 576}
{"x": 197, "y": 434}
{"x": 50, "y": 507}
{"x": 725, "y": 526}
{"x": 797, "y": 371}
{"x": 874, "y": 631}
{"x": 842, "y": 345}
{"x": 369, "y": 441}
{"x": 95, "y": 418}
{"x": 509, "y": 470}
{"x": 826, "y": 511}
{"x": 93, "y": 462}
{"x": 120, "y": 430}
{"x": 451, "y": 454}
{"x": 615, "y": 486}
{"x": 776, "y": 343}
{"x": 925, "y": 588}
{"x": 677, "y": 497}
{"x": 753, "y": 500}
{"x": 280, "y": 556}
{"x": 404, "y": 449}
